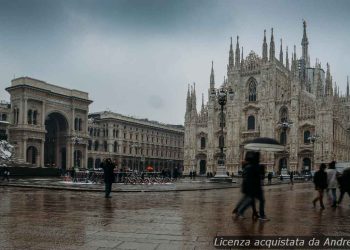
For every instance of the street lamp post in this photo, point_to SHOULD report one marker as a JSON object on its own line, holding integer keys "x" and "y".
{"x": 76, "y": 141}
{"x": 136, "y": 146}
{"x": 313, "y": 139}
{"x": 221, "y": 171}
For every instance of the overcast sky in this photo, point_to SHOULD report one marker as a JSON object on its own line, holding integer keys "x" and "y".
{"x": 137, "y": 57}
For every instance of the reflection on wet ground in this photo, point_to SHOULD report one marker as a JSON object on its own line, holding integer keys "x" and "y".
{"x": 50, "y": 219}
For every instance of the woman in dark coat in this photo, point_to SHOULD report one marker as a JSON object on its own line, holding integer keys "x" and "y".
{"x": 320, "y": 181}
{"x": 108, "y": 170}
{"x": 251, "y": 187}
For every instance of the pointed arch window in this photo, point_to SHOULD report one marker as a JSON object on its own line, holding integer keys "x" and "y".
{"x": 251, "y": 122}
{"x": 283, "y": 114}
{"x": 307, "y": 134}
{"x": 252, "y": 90}
{"x": 202, "y": 142}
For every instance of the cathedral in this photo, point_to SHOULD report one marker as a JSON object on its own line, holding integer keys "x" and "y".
{"x": 292, "y": 101}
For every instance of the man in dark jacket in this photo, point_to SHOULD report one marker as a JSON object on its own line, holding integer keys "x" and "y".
{"x": 344, "y": 184}
{"x": 108, "y": 170}
{"x": 320, "y": 181}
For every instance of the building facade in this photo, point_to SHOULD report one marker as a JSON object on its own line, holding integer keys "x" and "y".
{"x": 5, "y": 110}
{"x": 134, "y": 143}
{"x": 50, "y": 126}
{"x": 291, "y": 101}
{"x": 45, "y": 120}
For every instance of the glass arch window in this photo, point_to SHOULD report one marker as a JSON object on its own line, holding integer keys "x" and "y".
{"x": 252, "y": 90}
{"x": 202, "y": 142}
{"x": 251, "y": 122}
{"x": 307, "y": 134}
{"x": 283, "y": 114}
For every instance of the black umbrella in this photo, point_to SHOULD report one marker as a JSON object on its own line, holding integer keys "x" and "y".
{"x": 264, "y": 144}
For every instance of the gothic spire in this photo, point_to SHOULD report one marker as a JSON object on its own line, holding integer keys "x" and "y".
{"x": 242, "y": 56}
{"x": 305, "y": 44}
{"x": 212, "y": 80}
{"x": 347, "y": 87}
{"x": 194, "y": 100}
{"x": 281, "y": 53}
{"x": 264, "y": 48}
{"x": 237, "y": 56}
{"x": 188, "y": 101}
{"x": 329, "y": 87}
{"x": 272, "y": 47}
{"x": 230, "y": 59}
{"x": 318, "y": 80}
{"x": 202, "y": 102}
{"x": 287, "y": 59}
{"x": 295, "y": 53}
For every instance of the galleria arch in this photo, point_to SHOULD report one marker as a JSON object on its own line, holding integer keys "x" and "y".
{"x": 44, "y": 116}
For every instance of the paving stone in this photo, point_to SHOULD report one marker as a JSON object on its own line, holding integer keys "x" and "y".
{"x": 136, "y": 245}
{"x": 61, "y": 219}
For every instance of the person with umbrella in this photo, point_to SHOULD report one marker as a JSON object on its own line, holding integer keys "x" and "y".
{"x": 252, "y": 186}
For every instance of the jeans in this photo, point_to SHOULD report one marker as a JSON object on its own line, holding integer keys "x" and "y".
{"x": 334, "y": 196}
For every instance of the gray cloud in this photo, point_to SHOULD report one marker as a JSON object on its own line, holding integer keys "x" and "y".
{"x": 133, "y": 56}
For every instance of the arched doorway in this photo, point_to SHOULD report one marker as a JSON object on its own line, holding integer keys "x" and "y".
{"x": 32, "y": 154}
{"x": 77, "y": 158}
{"x": 282, "y": 164}
{"x": 56, "y": 126}
{"x": 306, "y": 165}
{"x": 202, "y": 167}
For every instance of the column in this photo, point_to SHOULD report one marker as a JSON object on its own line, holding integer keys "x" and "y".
{"x": 24, "y": 153}
{"x": 23, "y": 115}
{"x": 43, "y": 116}
{"x": 68, "y": 155}
{"x": 85, "y": 165}
{"x": 42, "y": 153}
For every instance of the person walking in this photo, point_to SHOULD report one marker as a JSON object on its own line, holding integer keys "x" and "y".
{"x": 332, "y": 182}
{"x": 6, "y": 174}
{"x": 344, "y": 184}
{"x": 251, "y": 187}
{"x": 291, "y": 176}
{"x": 320, "y": 181}
{"x": 269, "y": 178}
{"x": 108, "y": 170}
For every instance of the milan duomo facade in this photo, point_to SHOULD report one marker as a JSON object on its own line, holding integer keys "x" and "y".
{"x": 267, "y": 92}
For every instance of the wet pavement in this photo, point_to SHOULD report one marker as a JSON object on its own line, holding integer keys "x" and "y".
{"x": 60, "y": 219}
{"x": 185, "y": 184}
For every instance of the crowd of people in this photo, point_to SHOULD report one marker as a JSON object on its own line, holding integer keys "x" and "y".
{"x": 327, "y": 181}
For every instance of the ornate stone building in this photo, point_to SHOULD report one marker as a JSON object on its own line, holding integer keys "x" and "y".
{"x": 267, "y": 94}
{"x": 5, "y": 110}
{"x": 50, "y": 126}
{"x": 134, "y": 143}
{"x": 44, "y": 122}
